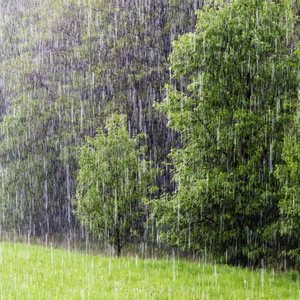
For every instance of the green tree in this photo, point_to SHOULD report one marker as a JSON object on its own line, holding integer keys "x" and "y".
{"x": 289, "y": 175}
{"x": 233, "y": 92}
{"x": 113, "y": 179}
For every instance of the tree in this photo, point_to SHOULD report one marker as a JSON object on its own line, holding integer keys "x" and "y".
{"x": 233, "y": 91}
{"x": 288, "y": 173}
{"x": 113, "y": 179}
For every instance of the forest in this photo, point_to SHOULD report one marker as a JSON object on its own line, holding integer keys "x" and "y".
{"x": 166, "y": 123}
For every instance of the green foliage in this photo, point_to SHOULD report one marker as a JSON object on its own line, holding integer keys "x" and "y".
{"x": 65, "y": 66}
{"x": 288, "y": 174}
{"x": 113, "y": 179}
{"x": 234, "y": 91}
{"x": 45, "y": 117}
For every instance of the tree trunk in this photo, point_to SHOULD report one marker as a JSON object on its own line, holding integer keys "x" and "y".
{"x": 117, "y": 242}
{"x": 119, "y": 250}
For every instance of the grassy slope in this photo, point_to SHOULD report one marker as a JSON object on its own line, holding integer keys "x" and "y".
{"x": 33, "y": 272}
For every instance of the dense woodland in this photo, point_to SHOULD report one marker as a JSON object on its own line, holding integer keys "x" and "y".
{"x": 163, "y": 122}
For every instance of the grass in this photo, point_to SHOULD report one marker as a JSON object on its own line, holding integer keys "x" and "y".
{"x": 34, "y": 272}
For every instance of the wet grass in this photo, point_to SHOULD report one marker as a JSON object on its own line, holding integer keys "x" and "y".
{"x": 34, "y": 272}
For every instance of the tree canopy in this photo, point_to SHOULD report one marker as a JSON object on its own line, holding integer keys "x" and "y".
{"x": 233, "y": 95}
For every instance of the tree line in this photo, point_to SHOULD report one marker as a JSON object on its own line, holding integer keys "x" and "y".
{"x": 179, "y": 114}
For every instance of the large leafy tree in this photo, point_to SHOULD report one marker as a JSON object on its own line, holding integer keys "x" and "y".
{"x": 289, "y": 175}
{"x": 234, "y": 86}
{"x": 113, "y": 179}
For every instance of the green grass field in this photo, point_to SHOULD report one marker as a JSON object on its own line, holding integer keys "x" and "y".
{"x": 34, "y": 272}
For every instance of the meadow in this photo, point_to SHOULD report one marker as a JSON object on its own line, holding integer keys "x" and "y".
{"x": 35, "y": 272}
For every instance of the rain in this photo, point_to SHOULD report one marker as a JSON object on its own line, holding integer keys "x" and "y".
{"x": 149, "y": 149}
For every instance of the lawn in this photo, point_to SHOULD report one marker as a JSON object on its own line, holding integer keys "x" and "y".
{"x": 34, "y": 272}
